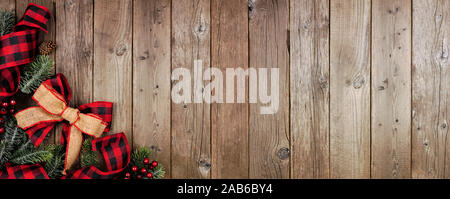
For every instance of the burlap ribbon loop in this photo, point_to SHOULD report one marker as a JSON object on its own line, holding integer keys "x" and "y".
{"x": 53, "y": 108}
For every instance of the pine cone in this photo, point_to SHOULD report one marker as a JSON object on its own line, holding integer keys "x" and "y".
{"x": 47, "y": 47}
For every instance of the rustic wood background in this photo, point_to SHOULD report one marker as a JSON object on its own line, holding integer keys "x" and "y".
{"x": 364, "y": 84}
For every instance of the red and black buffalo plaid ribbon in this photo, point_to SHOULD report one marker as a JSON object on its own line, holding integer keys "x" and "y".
{"x": 116, "y": 152}
{"x": 19, "y": 47}
{"x": 34, "y": 171}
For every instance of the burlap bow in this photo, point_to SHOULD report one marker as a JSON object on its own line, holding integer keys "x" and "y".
{"x": 53, "y": 108}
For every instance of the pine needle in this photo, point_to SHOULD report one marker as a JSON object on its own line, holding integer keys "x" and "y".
{"x": 7, "y": 21}
{"x": 31, "y": 156}
{"x": 55, "y": 165}
{"x": 87, "y": 156}
{"x": 5, "y": 152}
{"x": 38, "y": 71}
{"x": 158, "y": 172}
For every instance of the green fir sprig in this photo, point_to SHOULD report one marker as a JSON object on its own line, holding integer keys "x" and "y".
{"x": 7, "y": 21}
{"x": 55, "y": 166}
{"x": 88, "y": 156}
{"x": 38, "y": 71}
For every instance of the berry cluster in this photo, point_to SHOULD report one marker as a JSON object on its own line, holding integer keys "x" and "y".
{"x": 6, "y": 108}
{"x": 143, "y": 173}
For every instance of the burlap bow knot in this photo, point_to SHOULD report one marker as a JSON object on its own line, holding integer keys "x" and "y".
{"x": 53, "y": 108}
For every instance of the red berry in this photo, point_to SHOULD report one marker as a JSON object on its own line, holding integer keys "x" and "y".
{"x": 150, "y": 167}
{"x": 5, "y": 104}
{"x": 139, "y": 177}
{"x": 2, "y": 120}
{"x": 143, "y": 170}
{"x": 154, "y": 164}
{"x": 149, "y": 175}
{"x": 126, "y": 178}
{"x": 146, "y": 161}
{"x": 12, "y": 102}
{"x": 127, "y": 175}
{"x": 134, "y": 168}
{"x": 12, "y": 111}
{"x": 2, "y": 130}
{"x": 3, "y": 111}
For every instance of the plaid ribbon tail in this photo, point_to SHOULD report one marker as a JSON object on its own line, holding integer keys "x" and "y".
{"x": 34, "y": 171}
{"x": 116, "y": 152}
{"x": 19, "y": 47}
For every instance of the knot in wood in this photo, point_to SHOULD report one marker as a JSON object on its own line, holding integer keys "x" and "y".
{"x": 283, "y": 153}
{"x": 358, "y": 82}
{"x": 121, "y": 49}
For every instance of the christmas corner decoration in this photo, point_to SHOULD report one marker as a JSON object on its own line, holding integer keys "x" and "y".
{"x": 22, "y": 152}
{"x": 52, "y": 97}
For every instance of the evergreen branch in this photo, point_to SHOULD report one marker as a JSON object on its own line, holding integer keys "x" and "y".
{"x": 87, "y": 156}
{"x": 158, "y": 172}
{"x": 5, "y": 152}
{"x": 12, "y": 137}
{"x": 7, "y": 21}
{"x": 55, "y": 166}
{"x": 13, "y": 134}
{"x": 39, "y": 70}
{"x": 31, "y": 156}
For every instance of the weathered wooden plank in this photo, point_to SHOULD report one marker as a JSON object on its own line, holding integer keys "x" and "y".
{"x": 391, "y": 89}
{"x": 431, "y": 89}
{"x": 26, "y": 100}
{"x": 269, "y": 133}
{"x": 229, "y": 122}
{"x": 74, "y": 37}
{"x": 112, "y": 74}
{"x": 309, "y": 87}
{"x": 151, "y": 78}
{"x": 191, "y": 133}
{"x": 9, "y": 5}
{"x": 350, "y": 89}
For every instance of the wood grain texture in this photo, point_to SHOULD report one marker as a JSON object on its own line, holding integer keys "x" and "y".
{"x": 391, "y": 89}
{"x": 24, "y": 100}
{"x": 9, "y": 5}
{"x": 151, "y": 78}
{"x": 112, "y": 74}
{"x": 75, "y": 47}
{"x": 269, "y": 134}
{"x": 309, "y": 87}
{"x": 350, "y": 89}
{"x": 431, "y": 89}
{"x": 191, "y": 133}
{"x": 229, "y": 30}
